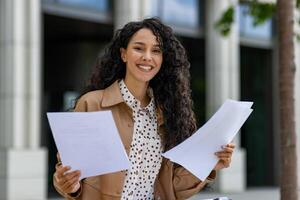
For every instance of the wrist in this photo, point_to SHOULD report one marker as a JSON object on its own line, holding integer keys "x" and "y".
{"x": 75, "y": 191}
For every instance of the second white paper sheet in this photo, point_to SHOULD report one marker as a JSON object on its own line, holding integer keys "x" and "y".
{"x": 88, "y": 141}
{"x": 196, "y": 153}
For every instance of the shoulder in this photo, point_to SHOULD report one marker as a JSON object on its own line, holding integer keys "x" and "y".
{"x": 90, "y": 101}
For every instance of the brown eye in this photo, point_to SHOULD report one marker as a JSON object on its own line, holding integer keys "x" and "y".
{"x": 156, "y": 51}
{"x": 137, "y": 48}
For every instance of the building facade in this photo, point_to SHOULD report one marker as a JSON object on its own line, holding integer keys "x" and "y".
{"x": 47, "y": 50}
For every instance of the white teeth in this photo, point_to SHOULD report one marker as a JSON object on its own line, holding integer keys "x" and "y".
{"x": 145, "y": 67}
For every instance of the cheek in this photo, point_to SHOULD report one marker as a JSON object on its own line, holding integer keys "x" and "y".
{"x": 157, "y": 69}
{"x": 158, "y": 60}
{"x": 134, "y": 56}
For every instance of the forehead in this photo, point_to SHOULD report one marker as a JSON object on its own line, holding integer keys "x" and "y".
{"x": 144, "y": 35}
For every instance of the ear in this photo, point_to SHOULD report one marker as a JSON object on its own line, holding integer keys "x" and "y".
{"x": 123, "y": 54}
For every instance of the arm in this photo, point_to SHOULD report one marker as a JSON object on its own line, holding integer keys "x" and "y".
{"x": 175, "y": 182}
{"x": 186, "y": 184}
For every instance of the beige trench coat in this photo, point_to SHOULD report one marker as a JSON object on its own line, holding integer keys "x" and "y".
{"x": 171, "y": 183}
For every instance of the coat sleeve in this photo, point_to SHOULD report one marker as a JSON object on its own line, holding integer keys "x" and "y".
{"x": 186, "y": 184}
{"x": 178, "y": 183}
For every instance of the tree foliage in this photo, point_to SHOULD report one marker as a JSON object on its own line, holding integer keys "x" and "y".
{"x": 225, "y": 22}
{"x": 260, "y": 11}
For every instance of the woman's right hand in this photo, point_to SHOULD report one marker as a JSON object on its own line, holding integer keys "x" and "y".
{"x": 67, "y": 181}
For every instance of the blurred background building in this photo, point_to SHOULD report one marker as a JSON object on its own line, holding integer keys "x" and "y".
{"x": 48, "y": 48}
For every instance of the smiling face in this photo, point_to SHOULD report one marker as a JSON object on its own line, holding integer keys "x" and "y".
{"x": 143, "y": 56}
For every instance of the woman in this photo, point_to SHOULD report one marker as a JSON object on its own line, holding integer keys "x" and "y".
{"x": 143, "y": 78}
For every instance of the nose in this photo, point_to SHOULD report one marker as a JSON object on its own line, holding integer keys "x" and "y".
{"x": 147, "y": 56}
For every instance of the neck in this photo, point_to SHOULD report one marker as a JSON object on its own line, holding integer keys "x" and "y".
{"x": 138, "y": 90}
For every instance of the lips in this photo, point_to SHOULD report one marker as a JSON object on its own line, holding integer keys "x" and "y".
{"x": 145, "y": 68}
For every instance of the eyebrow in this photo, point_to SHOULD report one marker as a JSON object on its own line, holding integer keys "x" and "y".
{"x": 141, "y": 43}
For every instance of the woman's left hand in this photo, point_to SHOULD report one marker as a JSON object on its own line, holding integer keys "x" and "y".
{"x": 224, "y": 156}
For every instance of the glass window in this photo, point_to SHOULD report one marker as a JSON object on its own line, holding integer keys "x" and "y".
{"x": 247, "y": 29}
{"x": 102, "y": 5}
{"x": 183, "y": 13}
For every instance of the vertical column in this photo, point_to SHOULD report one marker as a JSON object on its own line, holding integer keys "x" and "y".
{"x": 297, "y": 86}
{"x": 126, "y": 11}
{"x": 12, "y": 68}
{"x": 146, "y": 7}
{"x": 275, "y": 110}
{"x": 223, "y": 82}
{"x": 222, "y": 53}
{"x": 18, "y": 47}
{"x": 23, "y": 162}
{"x": 34, "y": 73}
{"x": 130, "y": 10}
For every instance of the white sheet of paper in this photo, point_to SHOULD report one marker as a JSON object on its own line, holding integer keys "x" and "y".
{"x": 88, "y": 141}
{"x": 218, "y": 198}
{"x": 196, "y": 153}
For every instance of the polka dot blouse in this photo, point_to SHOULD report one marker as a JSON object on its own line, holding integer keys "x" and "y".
{"x": 145, "y": 149}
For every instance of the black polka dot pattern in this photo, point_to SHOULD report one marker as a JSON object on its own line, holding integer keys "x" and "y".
{"x": 145, "y": 150}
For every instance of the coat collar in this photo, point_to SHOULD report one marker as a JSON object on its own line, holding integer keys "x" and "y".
{"x": 112, "y": 96}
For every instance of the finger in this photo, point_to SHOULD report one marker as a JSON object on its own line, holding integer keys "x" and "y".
{"x": 227, "y": 150}
{"x": 67, "y": 186}
{"x": 74, "y": 188}
{"x": 226, "y": 161}
{"x": 70, "y": 175}
{"x": 58, "y": 157}
{"x": 230, "y": 145}
{"x": 60, "y": 174}
{"x": 72, "y": 184}
{"x": 223, "y": 154}
{"x": 62, "y": 170}
{"x": 225, "y": 158}
{"x": 58, "y": 165}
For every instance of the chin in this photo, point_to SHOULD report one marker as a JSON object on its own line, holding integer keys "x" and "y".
{"x": 146, "y": 80}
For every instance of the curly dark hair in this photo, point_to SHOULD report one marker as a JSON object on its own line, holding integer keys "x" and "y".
{"x": 171, "y": 85}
